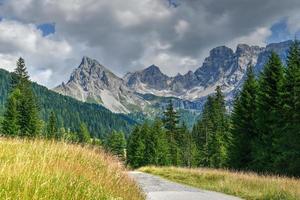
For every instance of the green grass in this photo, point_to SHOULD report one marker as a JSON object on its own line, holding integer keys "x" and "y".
{"x": 56, "y": 170}
{"x": 245, "y": 185}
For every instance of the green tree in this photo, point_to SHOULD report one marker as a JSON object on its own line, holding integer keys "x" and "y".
{"x": 222, "y": 138}
{"x": 243, "y": 124}
{"x": 287, "y": 146}
{"x": 27, "y": 120}
{"x": 136, "y": 148}
{"x": 203, "y": 132}
{"x": 116, "y": 144}
{"x": 156, "y": 144}
{"x": 27, "y": 106}
{"x": 52, "y": 128}
{"x": 84, "y": 135}
{"x": 171, "y": 120}
{"x": 10, "y": 125}
{"x": 211, "y": 133}
{"x": 188, "y": 150}
{"x": 162, "y": 145}
{"x": 268, "y": 113}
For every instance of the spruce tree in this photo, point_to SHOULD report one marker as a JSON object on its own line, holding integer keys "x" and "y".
{"x": 136, "y": 148}
{"x": 116, "y": 144}
{"x": 211, "y": 133}
{"x": 84, "y": 135}
{"x": 268, "y": 114}
{"x": 203, "y": 132}
{"x": 162, "y": 145}
{"x": 27, "y": 110}
{"x": 222, "y": 137}
{"x": 243, "y": 124}
{"x": 52, "y": 128}
{"x": 288, "y": 147}
{"x": 187, "y": 147}
{"x": 170, "y": 120}
{"x": 10, "y": 125}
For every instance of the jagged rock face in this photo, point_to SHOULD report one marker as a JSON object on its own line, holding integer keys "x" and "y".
{"x": 222, "y": 67}
{"x": 92, "y": 82}
{"x": 152, "y": 76}
{"x": 138, "y": 90}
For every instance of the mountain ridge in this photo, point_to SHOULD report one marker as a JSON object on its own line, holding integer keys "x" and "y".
{"x": 223, "y": 67}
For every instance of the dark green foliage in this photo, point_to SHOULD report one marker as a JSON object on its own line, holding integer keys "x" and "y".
{"x": 52, "y": 127}
{"x": 10, "y": 125}
{"x": 161, "y": 143}
{"x": 211, "y": 133}
{"x": 243, "y": 124}
{"x": 171, "y": 120}
{"x": 156, "y": 144}
{"x": 148, "y": 145}
{"x": 22, "y": 110}
{"x": 287, "y": 146}
{"x": 84, "y": 135}
{"x": 116, "y": 144}
{"x": 136, "y": 148}
{"x": 268, "y": 114}
{"x": 188, "y": 148}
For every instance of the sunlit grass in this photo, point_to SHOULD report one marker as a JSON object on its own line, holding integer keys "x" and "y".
{"x": 244, "y": 185}
{"x": 56, "y": 170}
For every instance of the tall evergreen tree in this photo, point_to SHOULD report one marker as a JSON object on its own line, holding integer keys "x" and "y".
{"x": 116, "y": 144}
{"x": 162, "y": 145}
{"x": 188, "y": 150}
{"x": 156, "y": 144}
{"x": 84, "y": 135}
{"x": 20, "y": 77}
{"x": 28, "y": 117}
{"x": 243, "y": 124}
{"x": 288, "y": 147}
{"x": 268, "y": 113}
{"x": 222, "y": 137}
{"x": 10, "y": 125}
{"x": 203, "y": 132}
{"x": 136, "y": 148}
{"x": 171, "y": 120}
{"x": 52, "y": 128}
{"x": 211, "y": 133}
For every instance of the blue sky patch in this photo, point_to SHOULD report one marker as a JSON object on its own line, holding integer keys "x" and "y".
{"x": 47, "y": 28}
{"x": 280, "y": 32}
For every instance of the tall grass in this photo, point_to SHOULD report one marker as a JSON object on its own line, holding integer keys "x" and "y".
{"x": 56, "y": 170}
{"x": 245, "y": 185}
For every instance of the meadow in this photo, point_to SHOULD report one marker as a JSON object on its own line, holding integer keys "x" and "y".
{"x": 38, "y": 169}
{"x": 249, "y": 186}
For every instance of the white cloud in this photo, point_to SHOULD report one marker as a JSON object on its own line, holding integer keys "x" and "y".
{"x": 129, "y": 35}
{"x": 182, "y": 27}
{"x": 7, "y": 62}
{"x": 258, "y": 37}
{"x": 18, "y": 39}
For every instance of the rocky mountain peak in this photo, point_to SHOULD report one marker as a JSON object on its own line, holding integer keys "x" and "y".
{"x": 152, "y": 70}
{"x": 221, "y": 52}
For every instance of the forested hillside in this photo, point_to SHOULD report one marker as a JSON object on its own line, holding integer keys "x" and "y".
{"x": 70, "y": 112}
{"x": 261, "y": 134}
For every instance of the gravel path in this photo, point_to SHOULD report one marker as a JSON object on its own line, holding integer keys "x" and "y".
{"x": 157, "y": 188}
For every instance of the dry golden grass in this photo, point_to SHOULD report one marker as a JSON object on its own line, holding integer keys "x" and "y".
{"x": 56, "y": 170}
{"x": 244, "y": 185}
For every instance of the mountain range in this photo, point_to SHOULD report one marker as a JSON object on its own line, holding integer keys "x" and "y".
{"x": 149, "y": 89}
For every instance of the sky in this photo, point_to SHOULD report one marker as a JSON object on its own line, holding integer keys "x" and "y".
{"x": 176, "y": 35}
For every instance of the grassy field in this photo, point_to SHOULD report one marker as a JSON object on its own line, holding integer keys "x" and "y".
{"x": 245, "y": 185}
{"x": 49, "y": 170}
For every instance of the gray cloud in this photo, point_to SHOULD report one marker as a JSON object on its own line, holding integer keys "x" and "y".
{"x": 129, "y": 35}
